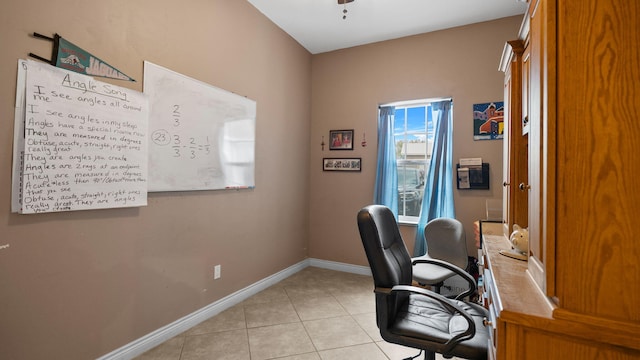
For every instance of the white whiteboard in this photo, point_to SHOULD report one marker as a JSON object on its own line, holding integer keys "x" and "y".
{"x": 78, "y": 144}
{"x": 200, "y": 137}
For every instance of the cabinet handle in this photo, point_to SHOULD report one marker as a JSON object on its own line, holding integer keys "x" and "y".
{"x": 505, "y": 184}
{"x": 524, "y": 187}
{"x": 486, "y": 322}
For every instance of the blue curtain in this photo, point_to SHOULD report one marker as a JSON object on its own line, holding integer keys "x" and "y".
{"x": 386, "y": 187}
{"x": 438, "y": 190}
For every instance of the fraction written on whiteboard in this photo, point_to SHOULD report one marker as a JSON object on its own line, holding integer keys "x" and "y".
{"x": 201, "y": 137}
{"x": 187, "y": 147}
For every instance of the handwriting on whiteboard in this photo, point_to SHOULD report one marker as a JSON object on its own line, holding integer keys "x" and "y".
{"x": 201, "y": 137}
{"x": 187, "y": 147}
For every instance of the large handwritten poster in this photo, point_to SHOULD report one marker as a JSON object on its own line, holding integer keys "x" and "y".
{"x": 201, "y": 137}
{"x": 18, "y": 138}
{"x": 85, "y": 143}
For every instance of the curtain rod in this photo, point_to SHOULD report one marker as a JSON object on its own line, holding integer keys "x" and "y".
{"x": 414, "y": 102}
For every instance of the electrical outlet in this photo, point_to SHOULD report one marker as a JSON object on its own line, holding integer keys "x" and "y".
{"x": 216, "y": 272}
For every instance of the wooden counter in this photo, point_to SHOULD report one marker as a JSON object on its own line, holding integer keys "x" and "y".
{"x": 516, "y": 291}
{"x": 525, "y": 324}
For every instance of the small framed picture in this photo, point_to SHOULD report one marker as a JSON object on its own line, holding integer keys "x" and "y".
{"x": 340, "y": 139}
{"x": 341, "y": 164}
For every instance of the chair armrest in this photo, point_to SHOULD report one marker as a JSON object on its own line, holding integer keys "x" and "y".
{"x": 471, "y": 330}
{"x": 465, "y": 275}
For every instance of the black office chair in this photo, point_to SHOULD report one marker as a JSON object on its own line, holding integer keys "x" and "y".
{"x": 412, "y": 316}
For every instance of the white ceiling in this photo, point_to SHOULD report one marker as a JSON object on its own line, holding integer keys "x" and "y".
{"x": 318, "y": 25}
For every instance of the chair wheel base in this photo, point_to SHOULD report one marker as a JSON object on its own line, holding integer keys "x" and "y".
{"x": 413, "y": 357}
{"x": 428, "y": 355}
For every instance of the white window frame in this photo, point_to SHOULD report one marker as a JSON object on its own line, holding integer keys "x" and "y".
{"x": 413, "y": 220}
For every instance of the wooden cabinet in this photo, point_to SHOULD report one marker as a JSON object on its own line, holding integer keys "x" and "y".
{"x": 576, "y": 77}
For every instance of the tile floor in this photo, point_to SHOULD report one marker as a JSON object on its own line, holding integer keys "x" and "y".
{"x": 315, "y": 314}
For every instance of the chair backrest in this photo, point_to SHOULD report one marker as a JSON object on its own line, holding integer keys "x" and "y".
{"x": 446, "y": 241}
{"x": 388, "y": 257}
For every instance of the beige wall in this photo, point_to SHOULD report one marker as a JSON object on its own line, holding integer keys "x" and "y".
{"x": 77, "y": 285}
{"x": 348, "y": 86}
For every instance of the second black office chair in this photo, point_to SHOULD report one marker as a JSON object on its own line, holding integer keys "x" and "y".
{"x": 412, "y": 316}
{"x": 446, "y": 241}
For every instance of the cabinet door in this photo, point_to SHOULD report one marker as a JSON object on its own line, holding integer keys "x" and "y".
{"x": 541, "y": 240}
{"x": 598, "y": 158}
{"x": 526, "y": 71}
{"x": 515, "y": 157}
{"x": 507, "y": 166}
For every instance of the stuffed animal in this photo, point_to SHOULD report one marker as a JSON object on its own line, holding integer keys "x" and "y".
{"x": 520, "y": 239}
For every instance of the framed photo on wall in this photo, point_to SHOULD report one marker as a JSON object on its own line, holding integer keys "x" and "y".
{"x": 341, "y": 139}
{"x": 342, "y": 164}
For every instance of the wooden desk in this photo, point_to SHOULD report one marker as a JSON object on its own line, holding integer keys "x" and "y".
{"x": 516, "y": 291}
{"x": 526, "y": 324}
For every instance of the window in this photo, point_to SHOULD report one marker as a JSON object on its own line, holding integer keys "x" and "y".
{"x": 414, "y": 128}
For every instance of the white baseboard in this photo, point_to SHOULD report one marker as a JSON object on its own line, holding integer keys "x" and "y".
{"x": 332, "y": 265}
{"x": 157, "y": 337}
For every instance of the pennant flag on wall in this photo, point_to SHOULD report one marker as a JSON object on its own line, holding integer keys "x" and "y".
{"x": 68, "y": 56}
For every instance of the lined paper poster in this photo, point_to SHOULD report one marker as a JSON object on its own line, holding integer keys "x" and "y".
{"x": 79, "y": 143}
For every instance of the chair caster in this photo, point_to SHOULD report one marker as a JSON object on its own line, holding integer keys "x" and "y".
{"x": 413, "y": 357}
